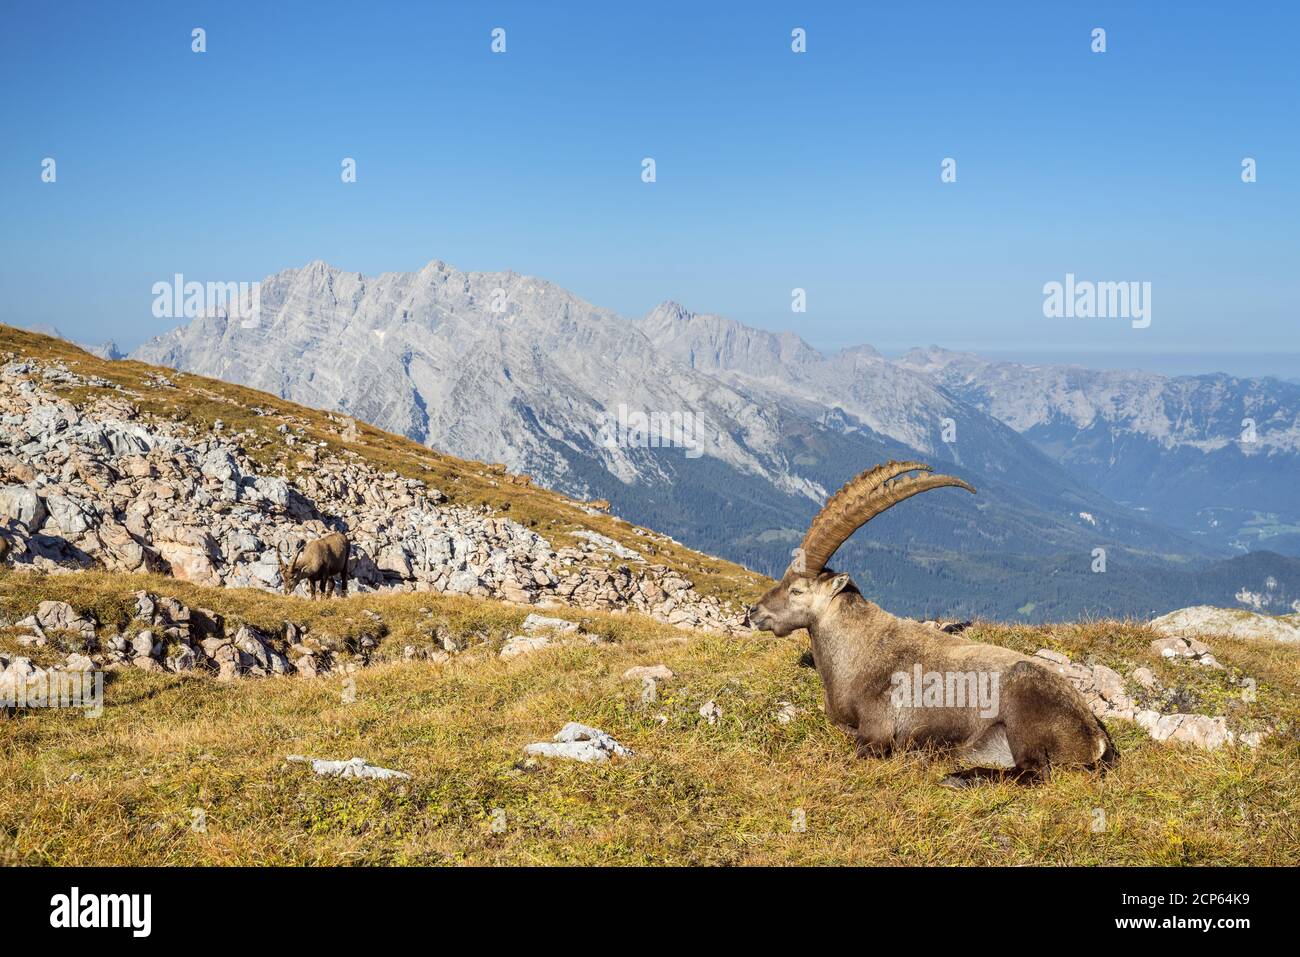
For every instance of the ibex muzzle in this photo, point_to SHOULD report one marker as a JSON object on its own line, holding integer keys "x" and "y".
{"x": 872, "y": 663}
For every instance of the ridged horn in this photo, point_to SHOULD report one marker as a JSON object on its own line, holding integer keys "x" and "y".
{"x": 861, "y": 499}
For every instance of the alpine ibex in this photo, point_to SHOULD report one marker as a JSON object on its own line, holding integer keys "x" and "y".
{"x": 895, "y": 683}
{"x": 317, "y": 563}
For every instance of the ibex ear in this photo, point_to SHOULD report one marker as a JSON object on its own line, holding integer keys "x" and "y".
{"x": 837, "y": 585}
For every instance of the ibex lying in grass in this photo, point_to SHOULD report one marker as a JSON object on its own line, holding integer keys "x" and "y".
{"x": 895, "y": 683}
{"x": 317, "y": 563}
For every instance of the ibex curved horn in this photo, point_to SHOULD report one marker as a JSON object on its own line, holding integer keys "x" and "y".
{"x": 861, "y": 499}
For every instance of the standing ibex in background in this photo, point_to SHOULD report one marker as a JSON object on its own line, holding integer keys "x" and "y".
{"x": 317, "y": 563}
{"x": 895, "y": 683}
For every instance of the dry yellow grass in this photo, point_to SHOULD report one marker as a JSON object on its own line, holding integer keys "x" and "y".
{"x": 169, "y": 751}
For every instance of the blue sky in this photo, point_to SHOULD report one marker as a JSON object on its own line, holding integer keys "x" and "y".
{"x": 774, "y": 170}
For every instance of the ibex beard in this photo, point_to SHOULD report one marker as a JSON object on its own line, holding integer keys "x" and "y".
{"x": 858, "y": 648}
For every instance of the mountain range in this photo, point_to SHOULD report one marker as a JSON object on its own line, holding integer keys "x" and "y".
{"x": 1217, "y": 456}
{"x": 1121, "y": 493}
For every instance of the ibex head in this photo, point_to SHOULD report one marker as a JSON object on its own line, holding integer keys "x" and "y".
{"x": 797, "y": 601}
{"x": 807, "y": 588}
{"x": 290, "y": 572}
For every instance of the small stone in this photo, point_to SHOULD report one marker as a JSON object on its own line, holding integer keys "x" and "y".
{"x": 649, "y": 690}
{"x": 79, "y": 662}
{"x": 657, "y": 672}
{"x": 356, "y": 768}
{"x": 183, "y": 660}
{"x": 1146, "y": 678}
{"x": 60, "y": 616}
{"x": 579, "y": 742}
{"x": 143, "y": 644}
{"x": 1200, "y": 730}
{"x": 1050, "y": 655}
{"x": 1171, "y": 647}
{"x": 523, "y": 644}
{"x": 1109, "y": 684}
{"x": 462, "y": 582}
{"x": 537, "y": 624}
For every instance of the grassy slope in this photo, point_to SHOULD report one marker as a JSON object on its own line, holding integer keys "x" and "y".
{"x": 200, "y": 401}
{"x": 124, "y": 788}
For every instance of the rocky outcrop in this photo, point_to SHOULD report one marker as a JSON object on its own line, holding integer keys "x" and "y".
{"x": 103, "y": 485}
{"x": 167, "y": 636}
{"x": 1106, "y": 692}
{"x": 1206, "y": 621}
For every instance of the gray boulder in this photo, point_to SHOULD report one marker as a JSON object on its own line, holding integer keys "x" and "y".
{"x": 20, "y": 503}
